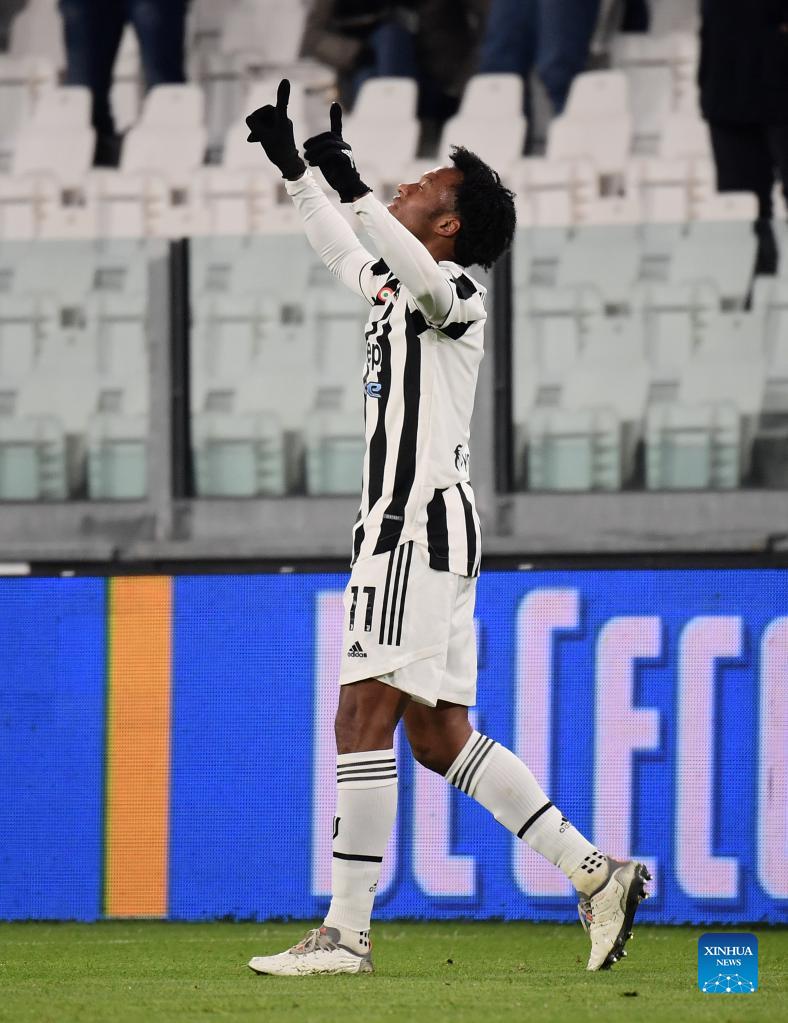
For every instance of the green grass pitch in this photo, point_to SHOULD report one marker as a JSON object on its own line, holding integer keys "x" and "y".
{"x": 454, "y": 972}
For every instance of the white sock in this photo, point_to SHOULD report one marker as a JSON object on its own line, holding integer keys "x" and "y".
{"x": 494, "y": 777}
{"x": 366, "y": 807}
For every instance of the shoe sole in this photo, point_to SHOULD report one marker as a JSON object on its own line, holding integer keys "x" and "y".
{"x": 636, "y": 893}
{"x": 365, "y": 966}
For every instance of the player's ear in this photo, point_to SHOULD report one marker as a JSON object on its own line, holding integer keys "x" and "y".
{"x": 447, "y": 225}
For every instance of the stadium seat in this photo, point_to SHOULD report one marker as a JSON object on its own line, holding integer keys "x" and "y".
{"x": 27, "y": 322}
{"x": 26, "y": 204}
{"x": 728, "y": 369}
{"x": 169, "y": 139}
{"x": 596, "y": 125}
{"x": 238, "y": 455}
{"x": 574, "y": 450}
{"x": 117, "y": 449}
{"x": 261, "y": 28}
{"x": 693, "y": 447}
{"x": 334, "y": 453}
{"x": 612, "y": 373}
{"x": 490, "y": 122}
{"x": 719, "y": 248}
{"x": 242, "y": 194}
{"x": 32, "y": 459}
{"x": 661, "y": 70}
{"x": 116, "y": 328}
{"x": 672, "y": 316}
{"x": 614, "y": 275}
{"x": 23, "y": 81}
{"x": 553, "y": 191}
{"x": 37, "y": 31}
{"x": 685, "y": 136}
{"x": 384, "y": 130}
{"x": 60, "y": 124}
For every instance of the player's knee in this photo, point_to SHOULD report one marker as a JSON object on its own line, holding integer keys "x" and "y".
{"x": 429, "y": 756}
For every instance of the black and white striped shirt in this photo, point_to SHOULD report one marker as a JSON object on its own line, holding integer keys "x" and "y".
{"x": 424, "y": 343}
{"x": 419, "y": 387}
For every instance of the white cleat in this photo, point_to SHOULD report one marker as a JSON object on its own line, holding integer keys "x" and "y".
{"x": 318, "y": 952}
{"x": 608, "y": 914}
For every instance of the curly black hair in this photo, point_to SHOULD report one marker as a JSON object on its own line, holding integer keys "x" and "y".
{"x": 486, "y": 209}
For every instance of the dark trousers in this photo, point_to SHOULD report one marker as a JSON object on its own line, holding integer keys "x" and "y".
{"x": 551, "y": 35}
{"x": 92, "y": 31}
{"x": 749, "y": 157}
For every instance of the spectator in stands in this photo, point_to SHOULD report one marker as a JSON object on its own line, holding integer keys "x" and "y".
{"x": 553, "y": 37}
{"x": 744, "y": 97}
{"x": 339, "y": 33}
{"x": 433, "y": 41}
{"x": 92, "y": 31}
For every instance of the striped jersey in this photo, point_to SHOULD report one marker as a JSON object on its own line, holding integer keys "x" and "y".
{"x": 419, "y": 388}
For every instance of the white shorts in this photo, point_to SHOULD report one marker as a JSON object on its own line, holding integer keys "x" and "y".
{"x": 411, "y": 627}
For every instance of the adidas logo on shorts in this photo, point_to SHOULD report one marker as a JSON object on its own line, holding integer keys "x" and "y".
{"x": 356, "y": 651}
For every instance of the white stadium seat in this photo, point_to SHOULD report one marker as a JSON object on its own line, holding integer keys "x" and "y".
{"x": 574, "y": 449}
{"x": 719, "y": 248}
{"x": 490, "y": 122}
{"x": 693, "y": 447}
{"x": 38, "y": 31}
{"x": 32, "y": 459}
{"x": 384, "y": 130}
{"x": 23, "y": 81}
{"x": 117, "y": 451}
{"x": 169, "y": 139}
{"x": 615, "y": 274}
{"x": 238, "y": 455}
{"x": 60, "y": 124}
{"x": 334, "y": 453}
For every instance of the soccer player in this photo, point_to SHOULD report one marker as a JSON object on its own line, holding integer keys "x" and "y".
{"x": 409, "y": 646}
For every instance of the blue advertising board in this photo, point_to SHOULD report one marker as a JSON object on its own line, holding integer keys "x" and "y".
{"x": 652, "y": 705}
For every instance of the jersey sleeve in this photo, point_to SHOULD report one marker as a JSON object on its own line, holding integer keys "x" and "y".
{"x": 467, "y": 304}
{"x": 330, "y": 236}
{"x": 409, "y": 261}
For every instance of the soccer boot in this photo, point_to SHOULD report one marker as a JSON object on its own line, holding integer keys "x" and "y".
{"x": 318, "y": 952}
{"x": 608, "y": 914}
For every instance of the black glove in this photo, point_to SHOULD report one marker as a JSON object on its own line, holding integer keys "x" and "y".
{"x": 334, "y": 157}
{"x": 273, "y": 129}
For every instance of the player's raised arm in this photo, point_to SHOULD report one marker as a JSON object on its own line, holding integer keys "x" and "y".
{"x": 327, "y": 233}
{"x": 407, "y": 258}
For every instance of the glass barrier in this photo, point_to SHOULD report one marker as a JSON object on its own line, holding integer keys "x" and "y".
{"x": 644, "y": 357}
{"x": 74, "y": 375}
{"x": 277, "y": 357}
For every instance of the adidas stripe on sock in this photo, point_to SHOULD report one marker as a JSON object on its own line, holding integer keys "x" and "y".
{"x": 366, "y": 807}
{"x": 496, "y": 778}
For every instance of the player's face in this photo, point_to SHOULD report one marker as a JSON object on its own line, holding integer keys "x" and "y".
{"x": 418, "y": 205}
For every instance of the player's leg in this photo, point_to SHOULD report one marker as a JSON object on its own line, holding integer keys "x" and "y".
{"x": 367, "y": 716}
{"x": 443, "y": 740}
{"x": 396, "y": 631}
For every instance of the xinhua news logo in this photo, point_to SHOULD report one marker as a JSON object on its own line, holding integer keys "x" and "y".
{"x": 728, "y": 964}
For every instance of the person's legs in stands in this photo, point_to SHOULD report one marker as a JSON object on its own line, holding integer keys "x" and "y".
{"x": 565, "y": 33}
{"x": 637, "y": 16}
{"x": 744, "y": 163}
{"x": 92, "y": 30}
{"x": 509, "y": 42}
{"x": 160, "y": 26}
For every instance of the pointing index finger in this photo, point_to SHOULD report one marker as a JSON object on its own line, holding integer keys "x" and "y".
{"x": 335, "y": 116}
{"x": 283, "y": 95}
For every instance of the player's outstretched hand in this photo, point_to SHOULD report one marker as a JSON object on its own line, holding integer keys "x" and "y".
{"x": 273, "y": 129}
{"x": 334, "y": 157}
